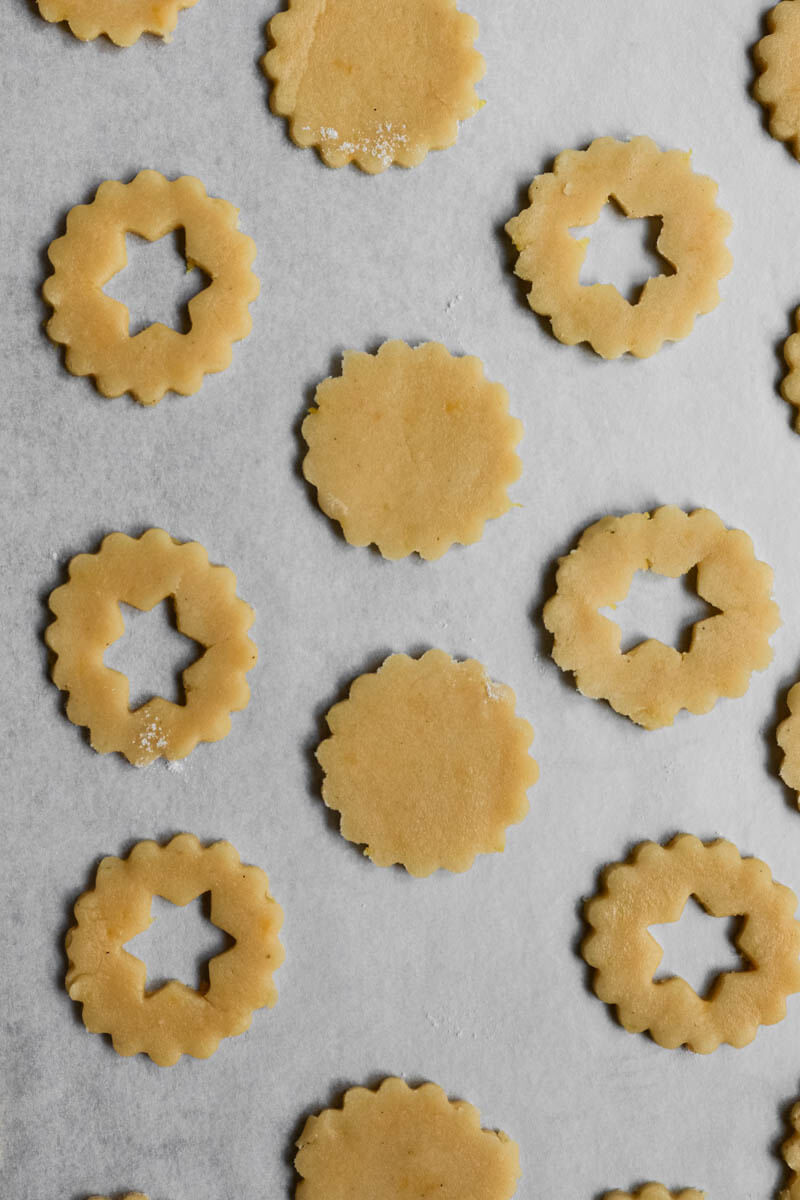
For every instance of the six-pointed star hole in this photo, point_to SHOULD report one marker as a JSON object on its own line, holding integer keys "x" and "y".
{"x": 157, "y": 284}
{"x": 622, "y": 250}
{"x": 152, "y": 653}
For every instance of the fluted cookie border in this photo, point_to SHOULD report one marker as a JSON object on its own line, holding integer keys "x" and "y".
{"x": 142, "y": 572}
{"x": 94, "y": 328}
{"x": 776, "y": 86}
{"x": 645, "y": 182}
{"x": 651, "y": 887}
{"x": 122, "y": 21}
{"x": 175, "y": 1019}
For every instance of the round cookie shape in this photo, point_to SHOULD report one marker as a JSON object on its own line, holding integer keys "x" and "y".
{"x": 373, "y": 83}
{"x": 142, "y": 572}
{"x": 652, "y": 888}
{"x": 94, "y": 328}
{"x": 411, "y": 449}
{"x": 655, "y": 1191}
{"x": 122, "y": 21}
{"x": 175, "y": 1019}
{"x": 776, "y": 88}
{"x": 427, "y": 763}
{"x": 644, "y": 182}
{"x": 398, "y": 1142}
{"x": 652, "y": 682}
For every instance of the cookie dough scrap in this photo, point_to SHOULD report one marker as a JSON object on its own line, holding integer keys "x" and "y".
{"x": 651, "y": 888}
{"x": 778, "y": 86}
{"x": 122, "y": 21}
{"x": 373, "y": 82}
{"x": 175, "y": 1019}
{"x": 652, "y": 682}
{"x": 94, "y": 328}
{"x": 411, "y": 449}
{"x": 427, "y": 763}
{"x": 142, "y": 572}
{"x": 401, "y": 1143}
{"x": 644, "y": 181}
{"x": 655, "y": 1191}
{"x": 790, "y": 1151}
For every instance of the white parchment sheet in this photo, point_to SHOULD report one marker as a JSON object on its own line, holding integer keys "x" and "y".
{"x": 473, "y": 981}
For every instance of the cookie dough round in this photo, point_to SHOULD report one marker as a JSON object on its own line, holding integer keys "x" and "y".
{"x": 411, "y": 449}
{"x": 427, "y": 763}
{"x": 778, "y": 86}
{"x": 644, "y": 182}
{"x": 94, "y": 328}
{"x": 652, "y": 682}
{"x": 402, "y": 1143}
{"x": 651, "y": 888}
{"x": 142, "y": 572}
{"x": 373, "y": 82}
{"x": 122, "y": 21}
{"x": 174, "y": 1019}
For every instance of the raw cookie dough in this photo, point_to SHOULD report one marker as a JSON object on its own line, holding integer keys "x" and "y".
{"x": 122, "y": 21}
{"x": 651, "y": 888}
{"x": 94, "y": 327}
{"x": 655, "y": 1191}
{"x": 790, "y": 384}
{"x": 427, "y": 763}
{"x": 175, "y": 1019}
{"x": 652, "y": 682}
{"x": 778, "y": 87}
{"x": 402, "y": 1143}
{"x": 788, "y": 738}
{"x": 411, "y": 449}
{"x": 142, "y": 572}
{"x": 791, "y": 1155}
{"x": 373, "y": 82}
{"x": 644, "y": 182}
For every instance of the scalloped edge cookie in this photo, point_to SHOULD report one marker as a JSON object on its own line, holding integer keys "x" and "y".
{"x": 122, "y": 21}
{"x": 778, "y": 85}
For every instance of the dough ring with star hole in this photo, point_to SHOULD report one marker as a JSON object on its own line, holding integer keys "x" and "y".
{"x": 399, "y": 1142}
{"x": 373, "y": 82}
{"x": 655, "y": 1191}
{"x": 94, "y": 328}
{"x": 122, "y": 21}
{"x": 778, "y": 86}
{"x": 427, "y": 763}
{"x": 790, "y": 1151}
{"x": 411, "y": 449}
{"x": 652, "y": 888}
{"x": 644, "y": 182}
{"x": 175, "y": 1019}
{"x": 652, "y": 682}
{"x": 142, "y": 572}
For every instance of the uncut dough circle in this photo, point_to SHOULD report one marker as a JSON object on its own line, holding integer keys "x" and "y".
{"x": 652, "y": 888}
{"x": 399, "y": 1143}
{"x": 411, "y": 449}
{"x": 652, "y": 682}
{"x": 778, "y": 86}
{"x": 655, "y": 1191}
{"x": 427, "y": 763}
{"x": 94, "y": 328}
{"x": 645, "y": 182}
{"x": 122, "y": 21}
{"x": 373, "y": 82}
{"x": 175, "y": 1019}
{"x": 790, "y": 1150}
{"x": 142, "y": 572}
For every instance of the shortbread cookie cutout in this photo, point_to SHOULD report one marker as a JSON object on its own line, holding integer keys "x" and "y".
{"x": 142, "y": 572}
{"x": 788, "y": 738}
{"x": 175, "y": 1019}
{"x": 427, "y": 763}
{"x": 400, "y": 1143}
{"x": 655, "y": 1191}
{"x": 778, "y": 87}
{"x": 652, "y": 682}
{"x": 373, "y": 82}
{"x": 122, "y": 21}
{"x": 645, "y": 182}
{"x": 94, "y": 328}
{"x": 651, "y": 888}
{"x": 411, "y": 449}
{"x": 791, "y": 1156}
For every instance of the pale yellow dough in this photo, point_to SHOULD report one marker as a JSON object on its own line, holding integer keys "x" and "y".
{"x": 402, "y": 1143}
{"x": 790, "y": 385}
{"x": 94, "y": 328}
{"x": 373, "y": 82}
{"x": 652, "y": 682}
{"x": 427, "y": 763}
{"x": 412, "y": 449}
{"x": 142, "y": 572}
{"x": 175, "y": 1019}
{"x": 791, "y": 1155}
{"x": 122, "y": 21}
{"x": 644, "y": 182}
{"x": 788, "y": 738}
{"x": 655, "y": 1191}
{"x": 651, "y": 888}
{"x": 778, "y": 85}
